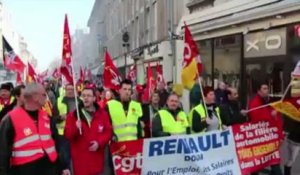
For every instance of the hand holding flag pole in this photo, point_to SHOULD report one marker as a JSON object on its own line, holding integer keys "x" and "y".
{"x": 202, "y": 94}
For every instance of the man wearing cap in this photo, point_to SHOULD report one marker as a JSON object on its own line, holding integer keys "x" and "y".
{"x": 5, "y": 96}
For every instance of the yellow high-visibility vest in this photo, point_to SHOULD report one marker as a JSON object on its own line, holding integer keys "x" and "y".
{"x": 62, "y": 109}
{"x": 125, "y": 126}
{"x": 201, "y": 111}
{"x": 172, "y": 126}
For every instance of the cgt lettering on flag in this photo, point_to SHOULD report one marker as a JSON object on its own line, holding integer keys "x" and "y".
{"x": 192, "y": 64}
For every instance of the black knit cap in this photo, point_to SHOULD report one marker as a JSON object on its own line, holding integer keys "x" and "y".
{"x": 5, "y": 86}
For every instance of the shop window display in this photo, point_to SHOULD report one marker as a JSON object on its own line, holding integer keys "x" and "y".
{"x": 205, "y": 50}
{"x": 227, "y": 60}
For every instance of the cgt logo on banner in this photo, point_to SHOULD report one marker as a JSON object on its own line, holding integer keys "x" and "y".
{"x": 127, "y": 157}
{"x": 241, "y": 149}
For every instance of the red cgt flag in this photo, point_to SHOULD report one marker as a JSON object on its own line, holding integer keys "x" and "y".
{"x": 150, "y": 84}
{"x": 159, "y": 72}
{"x": 132, "y": 74}
{"x": 65, "y": 68}
{"x": 79, "y": 84}
{"x": 111, "y": 74}
{"x": 11, "y": 60}
{"x": 192, "y": 64}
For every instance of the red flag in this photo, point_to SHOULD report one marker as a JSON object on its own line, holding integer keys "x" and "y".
{"x": 31, "y": 75}
{"x": 111, "y": 74}
{"x": 192, "y": 64}
{"x": 19, "y": 79}
{"x": 159, "y": 72}
{"x": 79, "y": 84}
{"x": 132, "y": 73}
{"x": 150, "y": 84}
{"x": 66, "y": 53}
{"x": 82, "y": 77}
{"x": 88, "y": 74}
{"x": 56, "y": 73}
{"x": 42, "y": 76}
{"x": 11, "y": 60}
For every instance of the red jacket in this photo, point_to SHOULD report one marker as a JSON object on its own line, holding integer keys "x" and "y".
{"x": 84, "y": 161}
{"x": 263, "y": 114}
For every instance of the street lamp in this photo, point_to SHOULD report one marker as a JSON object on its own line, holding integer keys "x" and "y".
{"x": 125, "y": 39}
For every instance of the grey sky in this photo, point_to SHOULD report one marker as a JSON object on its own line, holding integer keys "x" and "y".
{"x": 41, "y": 24}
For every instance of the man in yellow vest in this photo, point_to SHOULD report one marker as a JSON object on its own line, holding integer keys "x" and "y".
{"x": 125, "y": 114}
{"x": 170, "y": 120}
{"x": 65, "y": 104}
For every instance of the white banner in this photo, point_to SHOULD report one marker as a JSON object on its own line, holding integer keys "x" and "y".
{"x": 209, "y": 154}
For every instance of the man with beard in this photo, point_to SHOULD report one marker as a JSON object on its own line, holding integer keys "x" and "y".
{"x": 231, "y": 112}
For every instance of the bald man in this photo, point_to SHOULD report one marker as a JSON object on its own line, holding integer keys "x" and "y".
{"x": 231, "y": 112}
{"x": 26, "y": 137}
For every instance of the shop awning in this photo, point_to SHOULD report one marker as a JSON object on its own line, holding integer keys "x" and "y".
{"x": 271, "y": 10}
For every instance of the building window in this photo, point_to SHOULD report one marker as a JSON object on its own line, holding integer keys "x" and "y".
{"x": 227, "y": 60}
{"x": 147, "y": 25}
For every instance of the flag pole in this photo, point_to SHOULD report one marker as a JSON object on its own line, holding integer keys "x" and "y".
{"x": 286, "y": 91}
{"x": 259, "y": 107}
{"x": 75, "y": 94}
{"x": 202, "y": 94}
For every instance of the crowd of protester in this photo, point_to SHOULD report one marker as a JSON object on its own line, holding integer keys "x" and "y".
{"x": 74, "y": 137}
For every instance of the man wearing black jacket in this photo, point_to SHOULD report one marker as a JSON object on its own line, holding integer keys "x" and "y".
{"x": 149, "y": 111}
{"x": 231, "y": 112}
{"x": 14, "y": 159}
